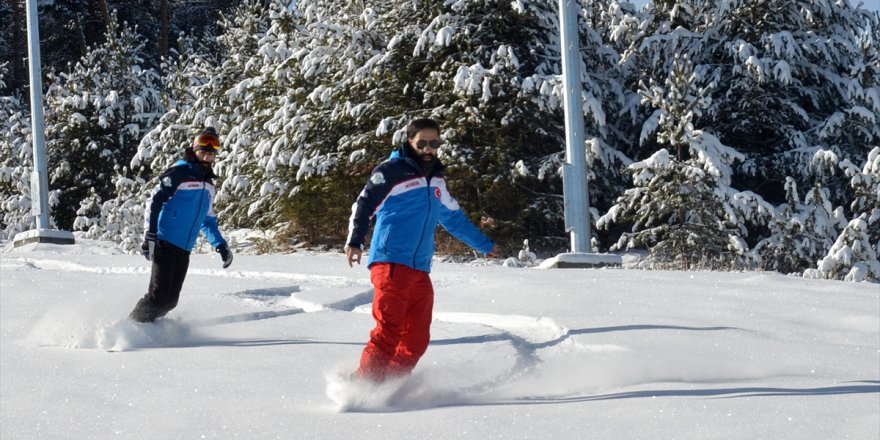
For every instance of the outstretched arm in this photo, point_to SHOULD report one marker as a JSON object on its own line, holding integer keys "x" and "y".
{"x": 452, "y": 219}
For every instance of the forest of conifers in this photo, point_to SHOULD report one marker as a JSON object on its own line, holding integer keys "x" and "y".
{"x": 720, "y": 134}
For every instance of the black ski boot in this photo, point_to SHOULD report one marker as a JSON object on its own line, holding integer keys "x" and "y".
{"x": 145, "y": 311}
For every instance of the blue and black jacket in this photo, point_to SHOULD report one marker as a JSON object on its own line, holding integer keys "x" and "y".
{"x": 407, "y": 205}
{"x": 180, "y": 206}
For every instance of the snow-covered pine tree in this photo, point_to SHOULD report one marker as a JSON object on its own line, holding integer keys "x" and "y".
{"x": 842, "y": 79}
{"x": 865, "y": 183}
{"x": 780, "y": 251}
{"x": 96, "y": 115}
{"x": 119, "y": 219}
{"x": 800, "y": 233}
{"x": 241, "y": 92}
{"x": 795, "y": 86}
{"x": 314, "y": 94}
{"x": 16, "y": 165}
{"x": 242, "y": 95}
{"x": 337, "y": 68}
{"x": 254, "y": 98}
{"x": 186, "y": 71}
{"x": 342, "y": 77}
{"x": 854, "y": 255}
{"x": 795, "y": 81}
{"x": 682, "y": 208}
{"x": 318, "y": 58}
{"x": 88, "y": 216}
{"x": 487, "y": 70}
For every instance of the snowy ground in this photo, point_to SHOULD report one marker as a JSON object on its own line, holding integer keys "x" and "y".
{"x": 254, "y": 353}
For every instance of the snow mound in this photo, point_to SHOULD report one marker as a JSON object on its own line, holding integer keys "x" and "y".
{"x": 61, "y": 328}
{"x": 417, "y": 391}
{"x": 127, "y": 335}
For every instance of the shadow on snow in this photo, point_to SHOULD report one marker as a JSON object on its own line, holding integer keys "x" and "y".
{"x": 864, "y": 387}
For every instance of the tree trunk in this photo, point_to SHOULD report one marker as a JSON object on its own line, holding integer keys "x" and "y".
{"x": 83, "y": 46}
{"x": 104, "y": 10}
{"x": 163, "y": 31}
{"x": 18, "y": 68}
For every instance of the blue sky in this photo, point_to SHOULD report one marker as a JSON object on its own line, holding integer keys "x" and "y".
{"x": 873, "y": 5}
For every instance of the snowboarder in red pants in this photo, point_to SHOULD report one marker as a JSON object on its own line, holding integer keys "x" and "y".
{"x": 408, "y": 197}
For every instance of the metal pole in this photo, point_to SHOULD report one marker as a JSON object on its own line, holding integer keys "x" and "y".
{"x": 574, "y": 179}
{"x": 39, "y": 179}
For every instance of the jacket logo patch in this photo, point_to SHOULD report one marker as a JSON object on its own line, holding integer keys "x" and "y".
{"x": 377, "y": 179}
{"x": 166, "y": 181}
{"x": 437, "y": 193}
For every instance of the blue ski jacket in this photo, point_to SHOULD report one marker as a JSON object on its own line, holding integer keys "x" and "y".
{"x": 407, "y": 206}
{"x": 180, "y": 206}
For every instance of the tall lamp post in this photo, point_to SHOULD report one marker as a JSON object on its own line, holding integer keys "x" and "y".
{"x": 39, "y": 179}
{"x": 574, "y": 175}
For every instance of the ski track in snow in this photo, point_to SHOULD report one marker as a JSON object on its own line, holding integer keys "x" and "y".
{"x": 550, "y": 362}
{"x": 66, "y": 266}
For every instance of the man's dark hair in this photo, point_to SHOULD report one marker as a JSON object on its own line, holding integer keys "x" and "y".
{"x": 418, "y": 125}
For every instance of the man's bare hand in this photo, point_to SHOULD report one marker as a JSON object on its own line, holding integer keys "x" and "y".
{"x": 353, "y": 255}
{"x": 495, "y": 252}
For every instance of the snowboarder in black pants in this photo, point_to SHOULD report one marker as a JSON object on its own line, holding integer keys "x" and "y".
{"x": 178, "y": 208}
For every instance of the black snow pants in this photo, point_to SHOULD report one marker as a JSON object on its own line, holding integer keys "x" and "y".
{"x": 170, "y": 264}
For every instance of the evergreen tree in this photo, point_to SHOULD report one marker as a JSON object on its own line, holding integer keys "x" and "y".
{"x": 96, "y": 115}
{"x": 487, "y": 70}
{"x": 16, "y": 165}
{"x": 13, "y": 46}
{"x": 794, "y": 81}
{"x": 186, "y": 73}
{"x": 682, "y": 208}
{"x": 253, "y": 95}
{"x": 311, "y": 98}
{"x": 801, "y": 233}
{"x": 793, "y": 89}
{"x": 261, "y": 104}
{"x": 853, "y": 256}
{"x": 199, "y": 19}
{"x": 865, "y": 183}
{"x": 88, "y": 216}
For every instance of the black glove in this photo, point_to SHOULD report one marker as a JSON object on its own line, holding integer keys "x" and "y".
{"x": 225, "y": 254}
{"x": 149, "y": 245}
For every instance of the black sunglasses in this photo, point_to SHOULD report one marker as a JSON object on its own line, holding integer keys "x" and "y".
{"x": 434, "y": 144}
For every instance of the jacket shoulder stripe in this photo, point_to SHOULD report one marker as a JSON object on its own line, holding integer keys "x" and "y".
{"x": 401, "y": 188}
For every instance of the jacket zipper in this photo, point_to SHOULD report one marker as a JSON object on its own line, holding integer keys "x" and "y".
{"x": 425, "y": 223}
{"x": 201, "y": 202}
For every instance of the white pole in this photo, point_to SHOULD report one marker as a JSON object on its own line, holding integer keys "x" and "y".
{"x": 574, "y": 181}
{"x": 39, "y": 180}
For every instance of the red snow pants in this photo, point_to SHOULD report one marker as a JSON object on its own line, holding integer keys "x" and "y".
{"x": 402, "y": 302}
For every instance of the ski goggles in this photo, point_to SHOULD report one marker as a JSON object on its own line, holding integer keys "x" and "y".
{"x": 206, "y": 142}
